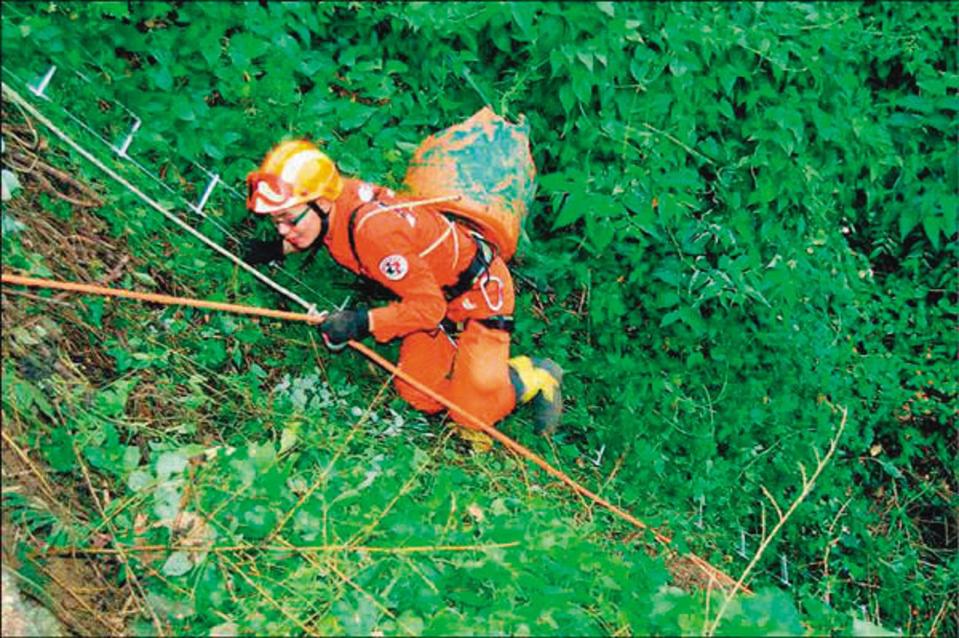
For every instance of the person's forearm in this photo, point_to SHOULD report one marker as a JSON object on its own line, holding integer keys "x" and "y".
{"x": 399, "y": 319}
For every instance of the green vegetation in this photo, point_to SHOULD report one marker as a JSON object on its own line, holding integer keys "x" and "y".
{"x": 746, "y": 218}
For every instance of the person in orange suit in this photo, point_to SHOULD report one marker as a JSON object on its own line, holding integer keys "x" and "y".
{"x": 455, "y": 295}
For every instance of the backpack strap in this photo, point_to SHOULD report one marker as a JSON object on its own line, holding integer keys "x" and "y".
{"x": 318, "y": 242}
{"x": 351, "y": 234}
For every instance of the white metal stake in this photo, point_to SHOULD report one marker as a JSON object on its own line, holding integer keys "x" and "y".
{"x": 39, "y": 89}
{"x": 742, "y": 543}
{"x": 122, "y": 151}
{"x": 784, "y": 570}
{"x": 206, "y": 193}
{"x": 13, "y": 95}
{"x": 702, "y": 504}
{"x": 599, "y": 456}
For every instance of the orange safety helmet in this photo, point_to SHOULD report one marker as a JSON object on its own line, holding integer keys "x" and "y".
{"x": 292, "y": 173}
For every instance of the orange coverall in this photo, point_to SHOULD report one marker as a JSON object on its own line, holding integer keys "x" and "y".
{"x": 414, "y": 253}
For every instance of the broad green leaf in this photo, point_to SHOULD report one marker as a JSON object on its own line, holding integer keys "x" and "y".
{"x": 932, "y": 225}
{"x": 574, "y": 208}
{"x": 138, "y": 480}
{"x": 177, "y": 564}
{"x": 166, "y": 501}
{"x": 171, "y": 463}
{"x": 865, "y": 628}
{"x": 908, "y": 220}
{"x": 288, "y": 439}
{"x": 60, "y": 454}
{"x": 10, "y": 185}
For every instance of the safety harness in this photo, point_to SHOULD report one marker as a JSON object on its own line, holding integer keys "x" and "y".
{"x": 497, "y": 322}
{"x": 479, "y": 266}
{"x": 476, "y": 268}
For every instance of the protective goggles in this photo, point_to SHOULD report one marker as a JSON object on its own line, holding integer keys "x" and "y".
{"x": 289, "y": 218}
{"x": 267, "y": 193}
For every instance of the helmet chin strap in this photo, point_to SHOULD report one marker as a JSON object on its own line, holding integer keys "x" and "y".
{"x": 314, "y": 247}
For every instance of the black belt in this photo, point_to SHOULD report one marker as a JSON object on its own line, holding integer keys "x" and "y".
{"x": 498, "y": 322}
{"x": 481, "y": 261}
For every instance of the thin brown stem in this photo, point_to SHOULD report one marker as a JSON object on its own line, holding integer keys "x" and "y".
{"x": 768, "y": 538}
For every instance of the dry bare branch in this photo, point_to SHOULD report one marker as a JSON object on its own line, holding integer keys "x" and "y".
{"x": 767, "y": 539}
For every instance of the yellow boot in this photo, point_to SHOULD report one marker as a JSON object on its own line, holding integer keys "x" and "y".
{"x": 479, "y": 441}
{"x": 539, "y": 381}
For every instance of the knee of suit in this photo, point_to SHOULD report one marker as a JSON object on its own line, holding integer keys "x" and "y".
{"x": 482, "y": 380}
{"x": 417, "y": 399}
{"x": 489, "y": 409}
{"x": 487, "y": 395}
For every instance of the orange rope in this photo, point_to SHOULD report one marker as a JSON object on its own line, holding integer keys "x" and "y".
{"x": 169, "y": 300}
{"x": 508, "y": 442}
{"x": 523, "y": 451}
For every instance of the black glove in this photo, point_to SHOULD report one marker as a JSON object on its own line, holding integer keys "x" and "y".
{"x": 345, "y": 325}
{"x": 258, "y": 251}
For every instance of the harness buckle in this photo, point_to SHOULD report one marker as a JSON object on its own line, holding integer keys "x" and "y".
{"x": 496, "y": 322}
{"x": 484, "y": 281}
{"x": 472, "y": 273}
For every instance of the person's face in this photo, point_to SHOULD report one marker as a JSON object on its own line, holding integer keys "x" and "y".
{"x": 299, "y": 225}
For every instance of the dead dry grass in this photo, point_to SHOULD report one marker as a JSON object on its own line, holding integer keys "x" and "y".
{"x": 46, "y": 337}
